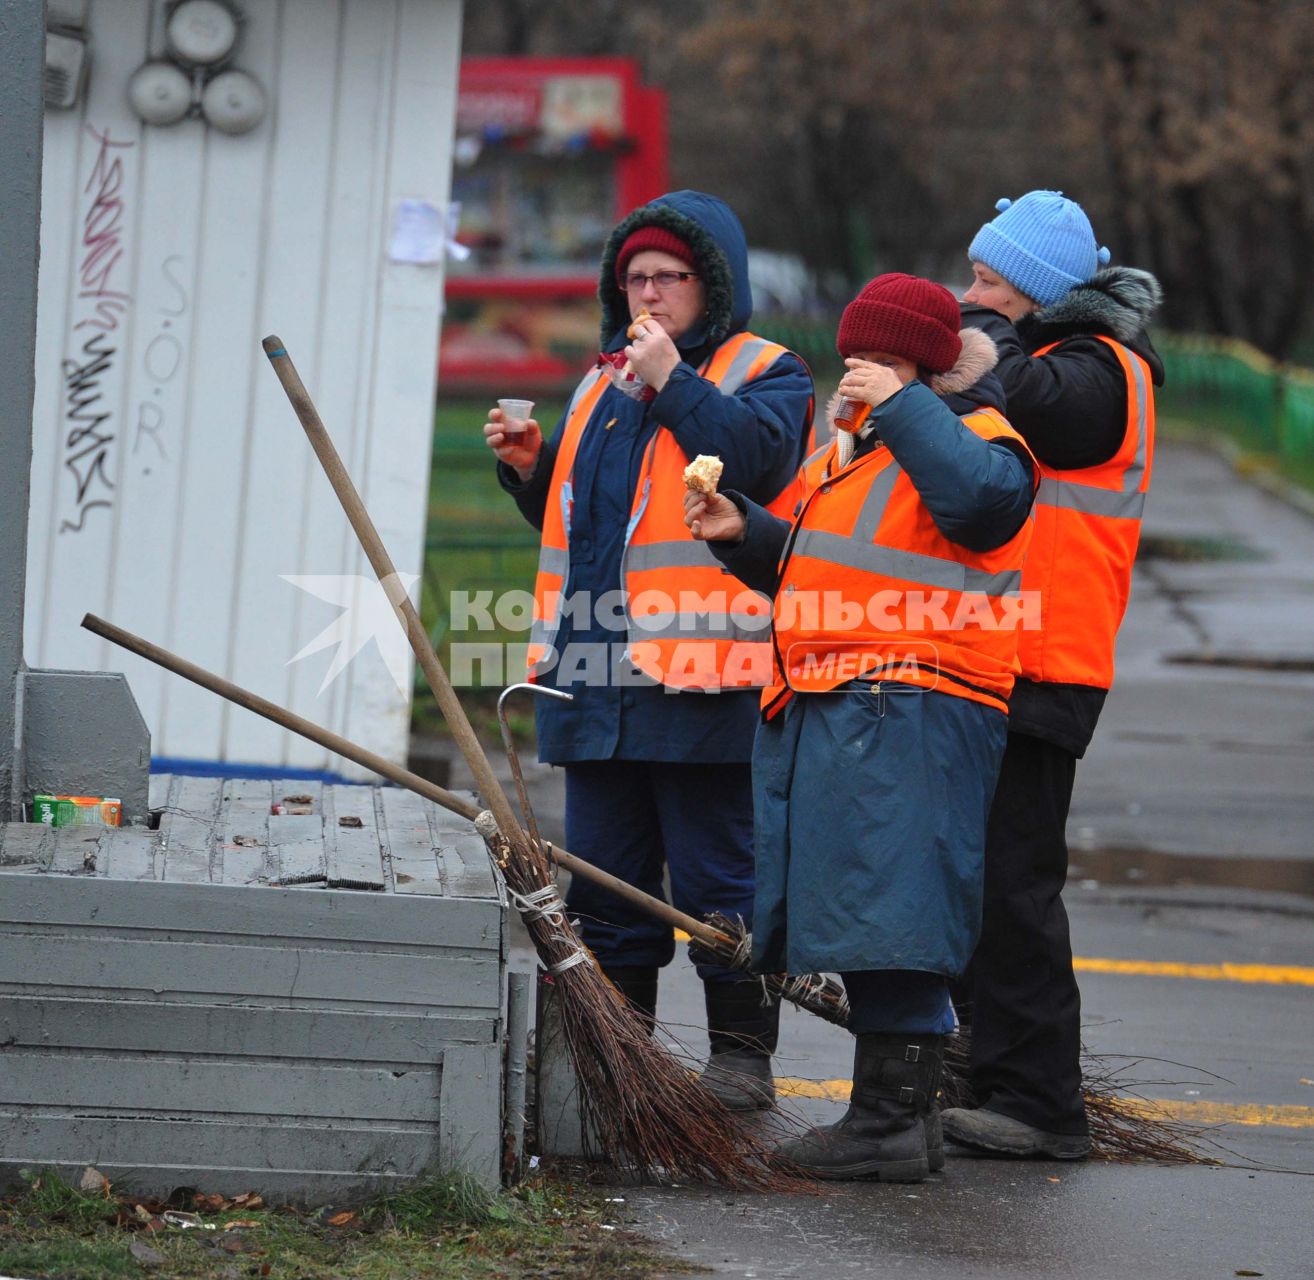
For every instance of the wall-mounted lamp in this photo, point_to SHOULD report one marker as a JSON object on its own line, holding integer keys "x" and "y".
{"x": 201, "y": 38}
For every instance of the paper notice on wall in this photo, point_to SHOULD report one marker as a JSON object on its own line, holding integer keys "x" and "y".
{"x": 419, "y": 232}
{"x": 424, "y": 232}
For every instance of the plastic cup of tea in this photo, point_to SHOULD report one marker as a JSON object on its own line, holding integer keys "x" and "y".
{"x": 515, "y": 415}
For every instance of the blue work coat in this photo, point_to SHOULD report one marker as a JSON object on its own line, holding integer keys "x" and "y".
{"x": 760, "y": 433}
{"x": 870, "y": 802}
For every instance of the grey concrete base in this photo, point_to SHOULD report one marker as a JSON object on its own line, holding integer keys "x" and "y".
{"x": 175, "y": 1013}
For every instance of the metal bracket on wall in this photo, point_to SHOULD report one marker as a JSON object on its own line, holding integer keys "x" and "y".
{"x": 82, "y": 734}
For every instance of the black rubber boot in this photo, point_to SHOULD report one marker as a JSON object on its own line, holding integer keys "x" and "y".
{"x": 638, "y": 984}
{"x": 884, "y": 1133}
{"x": 743, "y": 1033}
{"x": 986, "y": 1132}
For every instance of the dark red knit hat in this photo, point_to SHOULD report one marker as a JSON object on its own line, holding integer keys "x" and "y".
{"x": 651, "y": 238}
{"x": 904, "y": 316}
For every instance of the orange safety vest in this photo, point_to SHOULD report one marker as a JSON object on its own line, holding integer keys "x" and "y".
{"x": 689, "y": 623}
{"x": 870, "y": 588}
{"x": 1088, "y": 526}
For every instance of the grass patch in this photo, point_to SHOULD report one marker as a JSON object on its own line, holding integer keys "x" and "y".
{"x": 477, "y": 543}
{"x": 441, "y": 1228}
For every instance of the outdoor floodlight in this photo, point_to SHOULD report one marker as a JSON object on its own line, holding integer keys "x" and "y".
{"x": 201, "y": 32}
{"x": 160, "y": 93}
{"x": 233, "y": 102}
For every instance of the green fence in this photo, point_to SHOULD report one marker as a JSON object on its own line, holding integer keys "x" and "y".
{"x": 1232, "y": 387}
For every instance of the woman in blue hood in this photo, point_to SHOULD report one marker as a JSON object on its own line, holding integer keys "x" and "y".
{"x": 662, "y": 652}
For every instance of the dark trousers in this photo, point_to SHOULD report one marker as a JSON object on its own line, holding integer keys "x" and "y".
{"x": 1025, "y": 1007}
{"x": 636, "y": 818}
{"x": 898, "y": 1000}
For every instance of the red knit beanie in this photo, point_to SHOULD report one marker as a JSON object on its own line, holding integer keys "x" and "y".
{"x": 904, "y": 316}
{"x": 651, "y": 238}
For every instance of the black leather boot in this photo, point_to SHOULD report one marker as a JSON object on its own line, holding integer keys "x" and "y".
{"x": 884, "y": 1133}
{"x": 638, "y": 984}
{"x": 743, "y": 1033}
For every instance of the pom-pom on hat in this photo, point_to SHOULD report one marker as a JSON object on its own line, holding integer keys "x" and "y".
{"x": 651, "y": 237}
{"x": 1042, "y": 244}
{"x": 904, "y": 316}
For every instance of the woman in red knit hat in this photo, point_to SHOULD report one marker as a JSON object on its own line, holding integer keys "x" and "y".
{"x": 639, "y": 623}
{"x": 895, "y": 622}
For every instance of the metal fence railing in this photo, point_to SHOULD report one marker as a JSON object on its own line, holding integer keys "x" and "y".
{"x": 1230, "y": 386}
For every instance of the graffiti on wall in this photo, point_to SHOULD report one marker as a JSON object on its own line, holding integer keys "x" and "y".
{"x": 101, "y": 305}
{"x": 161, "y": 361}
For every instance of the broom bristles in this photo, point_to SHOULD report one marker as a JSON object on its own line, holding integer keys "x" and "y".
{"x": 645, "y": 1108}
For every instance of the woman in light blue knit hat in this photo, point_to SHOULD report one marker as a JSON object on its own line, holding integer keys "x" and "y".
{"x": 1079, "y": 374}
{"x": 1042, "y": 246}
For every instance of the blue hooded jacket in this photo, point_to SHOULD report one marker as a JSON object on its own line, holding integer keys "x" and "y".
{"x": 760, "y": 433}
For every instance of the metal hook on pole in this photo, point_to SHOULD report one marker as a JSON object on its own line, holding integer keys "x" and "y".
{"x": 513, "y": 757}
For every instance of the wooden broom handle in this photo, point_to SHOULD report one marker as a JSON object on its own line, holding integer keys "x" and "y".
{"x": 485, "y": 780}
{"x": 383, "y": 767}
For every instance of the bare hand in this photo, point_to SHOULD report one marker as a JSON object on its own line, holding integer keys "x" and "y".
{"x": 652, "y": 353}
{"x": 520, "y": 451}
{"x": 713, "y": 517}
{"x": 873, "y": 384}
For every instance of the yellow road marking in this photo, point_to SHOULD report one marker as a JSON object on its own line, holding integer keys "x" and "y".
{"x": 1270, "y": 973}
{"x": 1201, "y": 1113}
{"x": 1273, "y": 974}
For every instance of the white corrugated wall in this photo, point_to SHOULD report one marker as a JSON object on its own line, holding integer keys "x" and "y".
{"x": 171, "y": 485}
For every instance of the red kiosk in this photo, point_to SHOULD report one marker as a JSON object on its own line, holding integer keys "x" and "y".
{"x": 550, "y": 154}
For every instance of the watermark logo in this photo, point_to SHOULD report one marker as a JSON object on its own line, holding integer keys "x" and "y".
{"x": 367, "y": 614}
{"x": 910, "y": 664}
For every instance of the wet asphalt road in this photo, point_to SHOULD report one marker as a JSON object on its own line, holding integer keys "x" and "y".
{"x": 1192, "y": 833}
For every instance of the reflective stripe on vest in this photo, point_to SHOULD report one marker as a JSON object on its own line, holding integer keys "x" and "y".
{"x": 554, "y": 550}
{"x": 880, "y": 550}
{"x": 1087, "y": 532}
{"x": 690, "y": 624}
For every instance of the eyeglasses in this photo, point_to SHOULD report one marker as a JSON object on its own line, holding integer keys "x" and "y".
{"x": 663, "y": 280}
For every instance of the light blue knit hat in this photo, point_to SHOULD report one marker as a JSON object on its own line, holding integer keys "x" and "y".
{"x": 1042, "y": 244}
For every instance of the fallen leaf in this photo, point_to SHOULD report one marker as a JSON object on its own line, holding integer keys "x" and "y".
{"x": 1054, "y": 1179}
{"x": 298, "y": 800}
{"x": 238, "y": 1224}
{"x": 147, "y": 1256}
{"x": 247, "y": 842}
{"x": 94, "y": 1183}
{"x": 1306, "y": 1080}
{"x": 348, "y": 820}
{"x": 214, "y": 1203}
{"x": 341, "y": 1219}
{"x": 237, "y": 1244}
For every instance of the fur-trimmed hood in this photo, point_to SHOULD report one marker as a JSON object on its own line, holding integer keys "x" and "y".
{"x": 1117, "y": 301}
{"x": 710, "y": 228}
{"x": 964, "y": 381}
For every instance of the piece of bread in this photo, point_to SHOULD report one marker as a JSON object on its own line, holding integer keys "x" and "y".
{"x": 642, "y": 318}
{"x": 703, "y": 473}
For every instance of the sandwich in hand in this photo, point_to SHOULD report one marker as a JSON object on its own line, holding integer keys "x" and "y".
{"x": 703, "y": 473}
